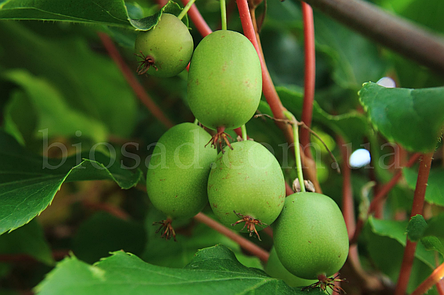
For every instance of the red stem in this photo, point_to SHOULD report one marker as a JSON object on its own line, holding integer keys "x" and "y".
{"x": 132, "y": 81}
{"x": 436, "y": 276}
{"x": 267, "y": 84}
{"x": 310, "y": 75}
{"x": 244, "y": 243}
{"x": 369, "y": 282}
{"x": 417, "y": 208}
{"x": 347, "y": 193}
{"x": 198, "y": 20}
{"x": 386, "y": 188}
{"x": 440, "y": 287}
{"x": 381, "y": 195}
{"x": 269, "y": 90}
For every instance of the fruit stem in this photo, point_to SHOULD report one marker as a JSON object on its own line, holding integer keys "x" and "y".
{"x": 417, "y": 208}
{"x": 244, "y": 132}
{"x": 185, "y": 9}
{"x": 196, "y": 122}
{"x": 297, "y": 150}
{"x": 223, "y": 14}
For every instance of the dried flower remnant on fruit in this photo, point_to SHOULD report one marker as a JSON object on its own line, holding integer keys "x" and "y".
{"x": 329, "y": 283}
{"x": 220, "y": 138}
{"x": 166, "y": 49}
{"x": 233, "y": 186}
{"x": 177, "y": 177}
{"x": 166, "y": 228}
{"x": 250, "y": 224}
{"x": 145, "y": 63}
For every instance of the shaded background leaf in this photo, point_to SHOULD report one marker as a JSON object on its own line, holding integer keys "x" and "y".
{"x": 79, "y": 78}
{"x": 103, "y": 233}
{"x": 28, "y": 239}
{"x": 385, "y": 241}
{"x": 28, "y": 182}
{"x": 435, "y": 191}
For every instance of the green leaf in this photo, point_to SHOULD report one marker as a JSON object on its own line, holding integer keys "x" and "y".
{"x": 411, "y": 117}
{"x": 352, "y": 126}
{"x": 28, "y": 182}
{"x": 415, "y": 228}
{"x": 53, "y": 113}
{"x": 103, "y": 233}
{"x": 385, "y": 241}
{"x": 431, "y": 235}
{"x": 435, "y": 191}
{"x": 74, "y": 75}
{"x": 397, "y": 230}
{"x": 435, "y": 227}
{"x": 432, "y": 243}
{"x": 16, "y": 122}
{"x": 105, "y": 12}
{"x": 147, "y": 23}
{"x": 214, "y": 270}
{"x": 353, "y": 58}
{"x": 422, "y": 14}
{"x": 28, "y": 239}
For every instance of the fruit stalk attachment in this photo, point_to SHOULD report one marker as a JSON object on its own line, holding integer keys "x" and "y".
{"x": 297, "y": 151}
{"x": 244, "y": 132}
{"x": 223, "y": 14}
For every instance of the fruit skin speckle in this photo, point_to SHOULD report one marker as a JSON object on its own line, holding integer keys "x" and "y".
{"x": 224, "y": 80}
{"x": 310, "y": 236}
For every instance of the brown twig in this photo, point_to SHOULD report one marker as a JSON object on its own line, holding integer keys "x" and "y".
{"x": 387, "y": 29}
{"x": 132, "y": 80}
{"x": 244, "y": 243}
{"x": 417, "y": 208}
